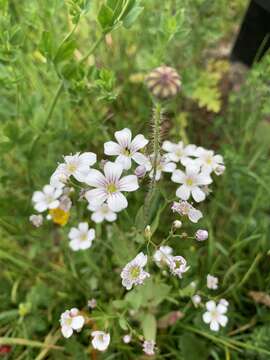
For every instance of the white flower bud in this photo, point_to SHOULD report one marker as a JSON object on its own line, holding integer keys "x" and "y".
{"x": 177, "y": 224}
{"x": 201, "y": 235}
{"x": 219, "y": 170}
{"x": 140, "y": 171}
{"x": 36, "y": 220}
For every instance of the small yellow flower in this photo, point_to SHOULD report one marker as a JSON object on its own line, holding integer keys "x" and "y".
{"x": 59, "y": 216}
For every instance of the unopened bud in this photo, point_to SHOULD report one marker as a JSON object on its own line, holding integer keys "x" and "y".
{"x": 219, "y": 170}
{"x": 140, "y": 171}
{"x": 201, "y": 235}
{"x": 177, "y": 224}
{"x": 163, "y": 82}
{"x": 148, "y": 232}
{"x": 36, "y": 220}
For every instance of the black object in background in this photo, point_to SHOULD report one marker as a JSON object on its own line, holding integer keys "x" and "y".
{"x": 253, "y": 39}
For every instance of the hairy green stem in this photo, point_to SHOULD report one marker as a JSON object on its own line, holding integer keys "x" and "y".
{"x": 157, "y": 120}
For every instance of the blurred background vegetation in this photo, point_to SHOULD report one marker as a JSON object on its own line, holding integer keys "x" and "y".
{"x": 56, "y": 100}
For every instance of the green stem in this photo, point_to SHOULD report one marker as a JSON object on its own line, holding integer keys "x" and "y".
{"x": 157, "y": 119}
{"x": 92, "y": 49}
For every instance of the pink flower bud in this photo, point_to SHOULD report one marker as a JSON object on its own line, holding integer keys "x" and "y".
{"x": 140, "y": 171}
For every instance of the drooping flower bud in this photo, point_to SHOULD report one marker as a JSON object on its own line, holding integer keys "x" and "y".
{"x": 140, "y": 171}
{"x": 163, "y": 82}
{"x": 177, "y": 224}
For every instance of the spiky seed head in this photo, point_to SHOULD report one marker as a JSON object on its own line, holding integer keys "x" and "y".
{"x": 163, "y": 82}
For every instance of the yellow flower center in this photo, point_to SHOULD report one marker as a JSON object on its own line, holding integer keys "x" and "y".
{"x": 189, "y": 182}
{"x": 83, "y": 237}
{"x": 209, "y": 160}
{"x": 59, "y": 216}
{"x": 71, "y": 167}
{"x": 126, "y": 152}
{"x": 111, "y": 188}
{"x": 135, "y": 272}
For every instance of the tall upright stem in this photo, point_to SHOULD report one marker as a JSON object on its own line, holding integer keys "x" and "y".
{"x": 156, "y": 124}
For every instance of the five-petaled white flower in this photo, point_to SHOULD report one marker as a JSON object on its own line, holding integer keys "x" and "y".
{"x": 185, "y": 209}
{"x": 191, "y": 181}
{"x": 163, "y": 164}
{"x": 208, "y": 160}
{"x": 215, "y": 315}
{"x": 109, "y": 186}
{"x": 71, "y": 320}
{"x": 81, "y": 238}
{"x": 102, "y": 212}
{"x": 77, "y": 165}
{"x": 179, "y": 152}
{"x": 149, "y": 347}
{"x": 178, "y": 265}
{"x": 133, "y": 273}
{"x": 101, "y": 340}
{"x": 162, "y": 255}
{"x": 126, "y": 149}
{"x": 212, "y": 282}
{"x": 47, "y": 198}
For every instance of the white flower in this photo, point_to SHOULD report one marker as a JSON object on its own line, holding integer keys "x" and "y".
{"x": 133, "y": 273}
{"x": 92, "y": 303}
{"x": 126, "y": 149}
{"x": 215, "y": 315}
{"x": 101, "y": 340}
{"x": 208, "y": 160}
{"x": 163, "y": 165}
{"x": 179, "y": 152}
{"x": 81, "y": 237}
{"x": 102, "y": 212}
{"x": 77, "y": 165}
{"x": 127, "y": 338}
{"x": 46, "y": 199}
{"x": 109, "y": 187}
{"x": 178, "y": 265}
{"x": 196, "y": 299}
{"x": 185, "y": 209}
{"x": 212, "y": 282}
{"x": 162, "y": 256}
{"x": 191, "y": 181}
{"x": 36, "y": 220}
{"x": 71, "y": 320}
{"x": 149, "y": 347}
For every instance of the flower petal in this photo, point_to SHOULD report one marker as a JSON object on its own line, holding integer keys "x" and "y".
{"x": 183, "y": 192}
{"x": 66, "y": 331}
{"x": 110, "y": 216}
{"x": 123, "y": 137}
{"x": 112, "y": 148}
{"x": 214, "y": 325}
{"x": 140, "y": 159}
{"x": 178, "y": 176}
{"x": 112, "y": 171}
{"x": 89, "y": 158}
{"x": 124, "y": 160}
{"x": 96, "y": 196}
{"x": 77, "y": 322}
{"x": 207, "y": 317}
{"x": 223, "y": 320}
{"x": 117, "y": 202}
{"x": 129, "y": 183}
{"x": 168, "y": 146}
{"x": 97, "y": 217}
{"x": 95, "y": 178}
{"x": 198, "y": 194}
{"x": 169, "y": 167}
{"x": 138, "y": 143}
{"x": 210, "y": 305}
{"x": 194, "y": 215}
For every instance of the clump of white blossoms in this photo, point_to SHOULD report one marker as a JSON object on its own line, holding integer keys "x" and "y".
{"x": 71, "y": 320}
{"x": 102, "y": 212}
{"x": 149, "y": 347}
{"x": 101, "y": 340}
{"x": 47, "y": 198}
{"x": 179, "y": 152}
{"x": 126, "y": 149}
{"x": 36, "y": 220}
{"x": 211, "y": 282}
{"x": 162, "y": 256}
{"x": 178, "y": 265}
{"x": 109, "y": 187}
{"x": 133, "y": 273}
{"x": 192, "y": 179}
{"x": 81, "y": 238}
{"x": 184, "y": 208}
{"x": 215, "y": 315}
{"x": 77, "y": 165}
